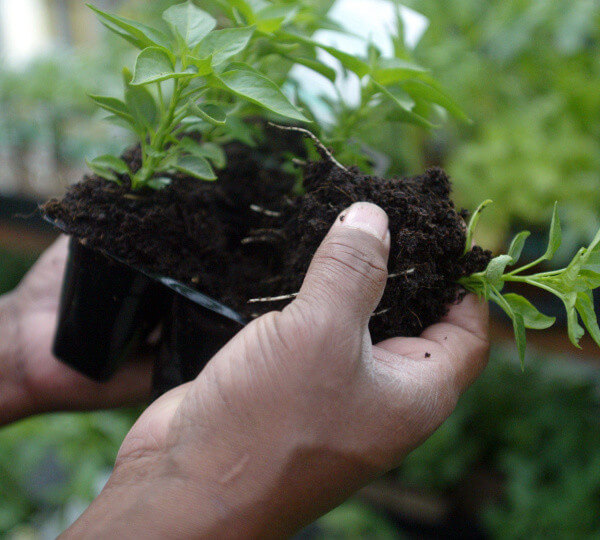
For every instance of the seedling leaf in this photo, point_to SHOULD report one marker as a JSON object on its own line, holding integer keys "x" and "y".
{"x": 154, "y": 65}
{"x": 210, "y": 112}
{"x": 223, "y": 44}
{"x": 555, "y": 236}
{"x": 516, "y": 246}
{"x": 189, "y": 22}
{"x": 197, "y": 167}
{"x": 532, "y": 318}
{"x": 473, "y": 224}
{"x": 258, "y": 89}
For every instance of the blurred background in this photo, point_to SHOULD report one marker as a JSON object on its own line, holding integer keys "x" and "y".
{"x": 521, "y": 455}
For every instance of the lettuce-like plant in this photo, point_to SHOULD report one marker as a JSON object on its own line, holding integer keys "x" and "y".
{"x": 573, "y": 284}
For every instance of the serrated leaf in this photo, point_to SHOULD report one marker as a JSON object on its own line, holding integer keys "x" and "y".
{"x": 211, "y": 113}
{"x": 196, "y": 167}
{"x": 262, "y": 91}
{"x": 393, "y": 70}
{"x": 159, "y": 183}
{"x": 555, "y": 235}
{"x": 532, "y": 317}
{"x": 516, "y": 246}
{"x": 190, "y": 22}
{"x": 520, "y": 337}
{"x": 473, "y": 223}
{"x": 138, "y": 34}
{"x": 495, "y": 270}
{"x": 142, "y": 105}
{"x": 154, "y": 65}
{"x": 407, "y": 115}
{"x": 223, "y": 44}
{"x": 434, "y": 95}
{"x": 585, "y": 307}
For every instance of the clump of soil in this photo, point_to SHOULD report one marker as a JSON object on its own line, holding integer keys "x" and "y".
{"x": 246, "y": 236}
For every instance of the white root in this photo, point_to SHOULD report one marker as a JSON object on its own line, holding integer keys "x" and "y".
{"x": 273, "y": 299}
{"x": 264, "y": 211}
{"x": 320, "y": 146}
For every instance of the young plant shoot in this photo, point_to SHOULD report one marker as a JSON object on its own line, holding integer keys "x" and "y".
{"x": 197, "y": 78}
{"x": 573, "y": 284}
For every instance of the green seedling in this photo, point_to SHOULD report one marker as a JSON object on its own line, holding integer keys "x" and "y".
{"x": 573, "y": 284}
{"x": 205, "y": 87}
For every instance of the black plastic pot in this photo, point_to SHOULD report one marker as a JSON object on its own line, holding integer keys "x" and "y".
{"x": 191, "y": 336}
{"x": 109, "y": 306}
{"x": 106, "y": 308}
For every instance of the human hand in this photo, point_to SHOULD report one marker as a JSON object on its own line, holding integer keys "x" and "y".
{"x": 297, "y": 412}
{"x": 31, "y": 379}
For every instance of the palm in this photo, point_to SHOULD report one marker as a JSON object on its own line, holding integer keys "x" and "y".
{"x": 40, "y": 379}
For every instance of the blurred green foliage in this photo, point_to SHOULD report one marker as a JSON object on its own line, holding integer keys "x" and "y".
{"x": 13, "y": 266}
{"x": 538, "y": 433}
{"x": 528, "y": 74}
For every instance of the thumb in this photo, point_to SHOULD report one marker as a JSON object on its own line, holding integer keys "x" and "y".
{"x": 348, "y": 274}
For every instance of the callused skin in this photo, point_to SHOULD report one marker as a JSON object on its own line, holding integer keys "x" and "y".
{"x": 297, "y": 412}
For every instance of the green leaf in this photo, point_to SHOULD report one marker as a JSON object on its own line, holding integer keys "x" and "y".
{"x": 223, "y": 44}
{"x": 495, "y": 270}
{"x": 238, "y": 130}
{"x": 210, "y": 151}
{"x": 142, "y": 105}
{"x": 154, "y": 65}
{"x": 271, "y": 18}
{"x": 259, "y": 90}
{"x": 393, "y": 70}
{"x": 203, "y": 65}
{"x": 429, "y": 93}
{"x": 103, "y": 172}
{"x": 574, "y": 329}
{"x": 590, "y": 278}
{"x": 532, "y": 318}
{"x": 210, "y": 112}
{"x": 555, "y": 236}
{"x": 113, "y": 105}
{"x": 585, "y": 307}
{"x": 111, "y": 162}
{"x": 516, "y": 246}
{"x": 190, "y": 22}
{"x": 315, "y": 65}
{"x": 197, "y": 167}
{"x": 245, "y": 8}
{"x": 351, "y": 63}
{"x": 473, "y": 223}
{"x": 138, "y": 34}
{"x": 124, "y": 124}
{"x": 406, "y": 113}
{"x": 159, "y": 183}
{"x": 520, "y": 336}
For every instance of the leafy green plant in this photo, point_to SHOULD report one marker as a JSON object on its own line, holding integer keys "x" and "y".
{"x": 196, "y": 78}
{"x": 573, "y": 285}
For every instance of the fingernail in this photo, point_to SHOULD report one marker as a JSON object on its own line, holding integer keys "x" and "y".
{"x": 367, "y": 217}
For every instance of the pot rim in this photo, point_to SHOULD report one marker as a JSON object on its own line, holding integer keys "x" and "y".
{"x": 176, "y": 286}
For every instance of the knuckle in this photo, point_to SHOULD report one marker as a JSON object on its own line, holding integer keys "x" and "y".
{"x": 343, "y": 257}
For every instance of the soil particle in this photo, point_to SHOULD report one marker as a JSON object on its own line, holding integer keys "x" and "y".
{"x": 208, "y": 235}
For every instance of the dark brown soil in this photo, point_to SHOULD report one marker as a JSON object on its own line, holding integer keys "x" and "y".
{"x": 209, "y": 236}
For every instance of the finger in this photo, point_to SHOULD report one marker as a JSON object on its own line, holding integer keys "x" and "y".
{"x": 348, "y": 273}
{"x": 463, "y": 334}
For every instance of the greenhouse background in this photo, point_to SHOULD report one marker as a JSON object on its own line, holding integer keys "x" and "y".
{"x": 521, "y": 455}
